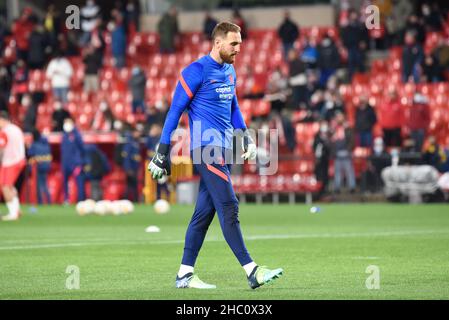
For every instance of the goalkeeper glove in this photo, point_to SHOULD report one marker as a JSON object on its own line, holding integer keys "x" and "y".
{"x": 249, "y": 147}
{"x": 160, "y": 164}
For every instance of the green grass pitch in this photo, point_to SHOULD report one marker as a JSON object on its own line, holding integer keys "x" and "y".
{"x": 325, "y": 255}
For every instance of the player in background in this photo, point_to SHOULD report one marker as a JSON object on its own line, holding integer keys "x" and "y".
{"x": 12, "y": 154}
{"x": 206, "y": 89}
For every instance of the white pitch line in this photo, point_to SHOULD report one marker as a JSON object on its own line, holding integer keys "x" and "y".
{"x": 215, "y": 239}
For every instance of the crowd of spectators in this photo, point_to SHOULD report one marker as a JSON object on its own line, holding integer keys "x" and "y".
{"x": 315, "y": 70}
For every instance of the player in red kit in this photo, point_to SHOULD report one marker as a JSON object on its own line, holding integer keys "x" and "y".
{"x": 12, "y": 162}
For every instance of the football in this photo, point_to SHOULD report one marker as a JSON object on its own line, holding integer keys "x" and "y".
{"x": 161, "y": 206}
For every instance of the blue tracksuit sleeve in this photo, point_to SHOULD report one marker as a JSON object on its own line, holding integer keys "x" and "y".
{"x": 189, "y": 82}
{"x": 236, "y": 115}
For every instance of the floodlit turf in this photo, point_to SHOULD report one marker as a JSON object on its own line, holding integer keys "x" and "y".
{"x": 324, "y": 255}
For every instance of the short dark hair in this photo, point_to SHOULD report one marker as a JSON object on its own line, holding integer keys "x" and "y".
{"x": 223, "y": 28}
{"x": 4, "y": 115}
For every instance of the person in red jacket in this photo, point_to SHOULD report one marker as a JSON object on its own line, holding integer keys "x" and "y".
{"x": 391, "y": 118}
{"x": 21, "y": 29}
{"x": 418, "y": 120}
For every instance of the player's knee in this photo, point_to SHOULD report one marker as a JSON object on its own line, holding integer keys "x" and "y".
{"x": 231, "y": 212}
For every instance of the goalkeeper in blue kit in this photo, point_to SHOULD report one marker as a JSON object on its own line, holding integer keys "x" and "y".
{"x": 206, "y": 89}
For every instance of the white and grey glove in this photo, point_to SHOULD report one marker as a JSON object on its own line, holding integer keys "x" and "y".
{"x": 249, "y": 147}
{"x": 160, "y": 164}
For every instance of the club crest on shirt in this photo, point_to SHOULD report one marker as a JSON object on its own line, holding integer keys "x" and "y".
{"x": 231, "y": 79}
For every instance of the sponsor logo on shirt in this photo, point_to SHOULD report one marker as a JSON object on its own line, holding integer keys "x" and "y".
{"x": 225, "y": 93}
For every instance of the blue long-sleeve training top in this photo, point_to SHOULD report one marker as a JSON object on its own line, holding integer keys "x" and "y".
{"x": 207, "y": 90}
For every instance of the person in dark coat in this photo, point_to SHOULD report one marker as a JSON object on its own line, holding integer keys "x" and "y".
{"x": 137, "y": 85}
{"x": 92, "y": 59}
{"x": 39, "y": 44}
{"x": 168, "y": 31}
{"x": 29, "y": 122}
{"x": 131, "y": 164}
{"x": 355, "y": 39}
{"x": 73, "y": 157}
{"x": 209, "y": 25}
{"x": 365, "y": 119}
{"x": 371, "y": 179}
{"x": 40, "y": 154}
{"x": 328, "y": 59}
{"x": 412, "y": 58}
{"x": 288, "y": 31}
{"x": 58, "y": 116}
{"x": 322, "y": 151}
{"x": 118, "y": 40}
{"x": 96, "y": 167}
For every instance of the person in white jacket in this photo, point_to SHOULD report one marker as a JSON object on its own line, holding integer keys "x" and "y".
{"x": 59, "y": 71}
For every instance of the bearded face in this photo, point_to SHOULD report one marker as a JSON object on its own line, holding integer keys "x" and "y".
{"x": 229, "y": 46}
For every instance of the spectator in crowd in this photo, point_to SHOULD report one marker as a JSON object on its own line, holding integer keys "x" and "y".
{"x": 131, "y": 163}
{"x": 60, "y": 71}
{"x": 288, "y": 31}
{"x": 168, "y": 31}
{"x": 68, "y": 43}
{"x": 412, "y": 58}
{"x": 435, "y": 155}
{"x": 397, "y": 21}
{"x": 21, "y": 30}
{"x": 208, "y": 25}
{"x": 5, "y": 80}
{"x": 355, "y": 40}
{"x": 277, "y": 91}
{"x": 89, "y": 14}
{"x": 40, "y": 154}
{"x": 341, "y": 146}
{"x": 39, "y": 48}
{"x": 103, "y": 119}
{"x": 432, "y": 18}
{"x": 4, "y": 31}
{"x": 418, "y": 120}
{"x": 328, "y": 59}
{"x": 132, "y": 16}
{"x": 156, "y": 115}
{"x": 415, "y": 26}
{"x": 322, "y": 152}
{"x": 310, "y": 54}
{"x": 118, "y": 39}
{"x": 95, "y": 168}
{"x": 20, "y": 83}
{"x": 331, "y": 105}
{"x": 73, "y": 157}
{"x": 3, "y": 103}
{"x": 58, "y": 116}
{"x": 52, "y": 25}
{"x": 441, "y": 53}
{"x": 92, "y": 61}
{"x": 152, "y": 140}
{"x": 391, "y": 118}
{"x": 238, "y": 19}
{"x": 297, "y": 76}
{"x": 371, "y": 180}
{"x": 137, "y": 85}
{"x": 29, "y": 122}
{"x": 97, "y": 41}
{"x": 431, "y": 70}
{"x": 365, "y": 119}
